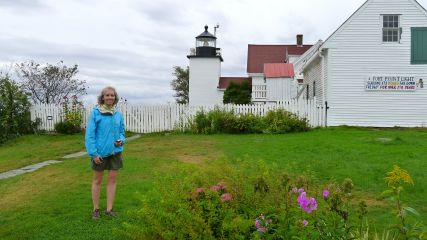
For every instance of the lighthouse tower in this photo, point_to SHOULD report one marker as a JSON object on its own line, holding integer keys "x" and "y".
{"x": 205, "y": 71}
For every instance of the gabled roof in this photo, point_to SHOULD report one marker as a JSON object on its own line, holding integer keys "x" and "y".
{"x": 344, "y": 24}
{"x": 225, "y": 81}
{"x": 277, "y": 70}
{"x": 258, "y": 55}
{"x": 339, "y": 29}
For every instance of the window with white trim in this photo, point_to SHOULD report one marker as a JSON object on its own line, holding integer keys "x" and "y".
{"x": 391, "y": 28}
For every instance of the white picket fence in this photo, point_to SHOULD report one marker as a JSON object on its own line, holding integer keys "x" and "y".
{"x": 158, "y": 118}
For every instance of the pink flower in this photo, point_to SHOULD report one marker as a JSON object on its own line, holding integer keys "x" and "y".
{"x": 215, "y": 188}
{"x": 261, "y": 223}
{"x": 218, "y": 187}
{"x": 325, "y": 193}
{"x": 200, "y": 190}
{"x": 257, "y": 224}
{"x": 221, "y": 186}
{"x": 305, "y": 222}
{"x": 307, "y": 204}
{"x": 301, "y": 190}
{"x": 226, "y": 197}
{"x": 295, "y": 190}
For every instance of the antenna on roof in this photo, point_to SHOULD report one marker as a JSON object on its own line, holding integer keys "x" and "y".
{"x": 216, "y": 26}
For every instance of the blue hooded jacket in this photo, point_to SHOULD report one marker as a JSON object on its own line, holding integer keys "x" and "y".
{"x": 101, "y": 132}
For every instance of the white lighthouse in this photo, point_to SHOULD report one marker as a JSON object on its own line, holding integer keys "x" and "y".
{"x": 205, "y": 71}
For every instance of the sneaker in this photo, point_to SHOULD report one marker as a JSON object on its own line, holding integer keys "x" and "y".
{"x": 111, "y": 213}
{"x": 96, "y": 214}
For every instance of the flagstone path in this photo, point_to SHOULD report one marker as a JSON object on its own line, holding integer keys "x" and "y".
{"x": 33, "y": 167}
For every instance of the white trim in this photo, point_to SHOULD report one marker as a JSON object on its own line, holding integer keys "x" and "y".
{"x": 306, "y": 57}
{"x": 256, "y": 74}
{"x": 419, "y": 6}
{"x": 363, "y": 6}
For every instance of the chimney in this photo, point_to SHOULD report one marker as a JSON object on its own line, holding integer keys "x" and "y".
{"x": 299, "y": 40}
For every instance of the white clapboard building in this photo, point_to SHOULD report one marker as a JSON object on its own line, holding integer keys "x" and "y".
{"x": 270, "y": 71}
{"x": 372, "y": 70}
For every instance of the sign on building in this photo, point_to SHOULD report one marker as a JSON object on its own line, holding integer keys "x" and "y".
{"x": 391, "y": 83}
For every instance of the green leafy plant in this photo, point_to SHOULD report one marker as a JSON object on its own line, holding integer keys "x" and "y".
{"x": 282, "y": 121}
{"x": 238, "y": 93}
{"x": 72, "y": 116}
{"x": 221, "y": 120}
{"x": 250, "y": 202}
{"x": 396, "y": 179}
{"x": 15, "y": 118}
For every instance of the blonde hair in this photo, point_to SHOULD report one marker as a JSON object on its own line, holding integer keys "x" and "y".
{"x": 101, "y": 95}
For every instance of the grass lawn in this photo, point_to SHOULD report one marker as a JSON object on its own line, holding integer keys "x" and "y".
{"x": 30, "y": 149}
{"x": 55, "y": 203}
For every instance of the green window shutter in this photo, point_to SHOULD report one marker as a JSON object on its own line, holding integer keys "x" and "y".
{"x": 419, "y": 45}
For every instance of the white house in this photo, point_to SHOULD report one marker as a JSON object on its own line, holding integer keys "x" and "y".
{"x": 372, "y": 70}
{"x": 282, "y": 57}
{"x": 269, "y": 67}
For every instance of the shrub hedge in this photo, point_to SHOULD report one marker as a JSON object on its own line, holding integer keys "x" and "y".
{"x": 226, "y": 121}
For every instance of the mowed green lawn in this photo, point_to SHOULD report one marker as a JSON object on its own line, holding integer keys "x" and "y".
{"x": 30, "y": 149}
{"x": 55, "y": 202}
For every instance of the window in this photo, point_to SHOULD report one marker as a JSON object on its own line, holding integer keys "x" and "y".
{"x": 307, "y": 93}
{"x": 314, "y": 88}
{"x": 419, "y": 45}
{"x": 391, "y": 28}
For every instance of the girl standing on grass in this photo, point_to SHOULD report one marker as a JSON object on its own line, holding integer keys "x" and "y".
{"x": 105, "y": 136}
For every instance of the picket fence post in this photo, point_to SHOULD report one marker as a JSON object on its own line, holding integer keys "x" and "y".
{"x": 159, "y": 118}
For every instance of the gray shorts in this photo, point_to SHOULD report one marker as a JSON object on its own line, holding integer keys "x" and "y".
{"x": 113, "y": 162}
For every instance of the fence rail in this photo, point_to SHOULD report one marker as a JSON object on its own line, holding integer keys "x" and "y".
{"x": 158, "y": 118}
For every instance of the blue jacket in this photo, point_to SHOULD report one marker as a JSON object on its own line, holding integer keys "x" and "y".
{"x": 101, "y": 132}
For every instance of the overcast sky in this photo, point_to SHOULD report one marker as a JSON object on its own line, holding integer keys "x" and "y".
{"x": 134, "y": 44}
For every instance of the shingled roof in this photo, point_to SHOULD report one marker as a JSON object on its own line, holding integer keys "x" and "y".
{"x": 225, "y": 81}
{"x": 258, "y": 55}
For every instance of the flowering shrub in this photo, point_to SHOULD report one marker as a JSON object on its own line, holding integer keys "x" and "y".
{"x": 250, "y": 202}
{"x": 261, "y": 223}
{"x": 72, "y": 116}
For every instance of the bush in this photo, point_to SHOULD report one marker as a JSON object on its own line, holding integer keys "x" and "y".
{"x": 226, "y": 121}
{"x": 215, "y": 121}
{"x": 67, "y": 127}
{"x": 245, "y": 123}
{"x": 281, "y": 121}
{"x": 15, "y": 116}
{"x": 248, "y": 201}
{"x": 72, "y": 117}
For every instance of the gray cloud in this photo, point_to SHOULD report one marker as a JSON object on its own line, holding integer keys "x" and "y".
{"x": 21, "y": 3}
{"x": 100, "y": 67}
{"x": 134, "y": 44}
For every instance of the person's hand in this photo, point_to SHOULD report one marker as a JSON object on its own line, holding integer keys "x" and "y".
{"x": 97, "y": 160}
{"x": 118, "y": 143}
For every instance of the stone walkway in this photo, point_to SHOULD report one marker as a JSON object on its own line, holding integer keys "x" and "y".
{"x": 33, "y": 167}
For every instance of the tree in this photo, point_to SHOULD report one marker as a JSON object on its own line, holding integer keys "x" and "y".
{"x": 180, "y": 84}
{"x": 238, "y": 93}
{"x": 15, "y": 118}
{"x": 49, "y": 83}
